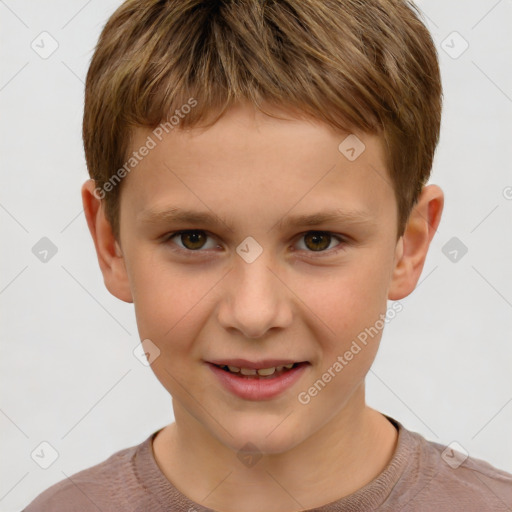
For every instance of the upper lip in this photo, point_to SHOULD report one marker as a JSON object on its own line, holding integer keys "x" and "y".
{"x": 256, "y": 365}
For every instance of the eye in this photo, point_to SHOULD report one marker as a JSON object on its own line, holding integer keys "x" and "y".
{"x": 191, "y": 240}
{"x": 320, "y": 241}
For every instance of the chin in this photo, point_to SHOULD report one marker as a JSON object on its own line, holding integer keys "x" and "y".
{"x": 270, "y": 435}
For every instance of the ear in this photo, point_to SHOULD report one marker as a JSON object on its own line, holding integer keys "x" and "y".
{"x": 108, "y": 250}
{"x": 412, "y": 248}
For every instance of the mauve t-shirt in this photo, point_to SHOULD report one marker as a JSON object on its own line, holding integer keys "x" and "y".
{"x": 421, "y": 476}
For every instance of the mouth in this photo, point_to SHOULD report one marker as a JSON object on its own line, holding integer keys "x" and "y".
{"x": 261, "y": 372}
{"x": 261, "y": 380}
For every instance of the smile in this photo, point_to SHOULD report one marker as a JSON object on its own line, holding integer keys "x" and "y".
{"x": 271, "y": 372}
{"x": 257, "y": 381}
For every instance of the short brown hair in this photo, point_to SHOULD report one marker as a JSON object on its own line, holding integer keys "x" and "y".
{"x": 355, "y": 64}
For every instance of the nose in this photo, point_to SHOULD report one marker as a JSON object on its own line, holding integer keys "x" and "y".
{"x": 255, "y": 299}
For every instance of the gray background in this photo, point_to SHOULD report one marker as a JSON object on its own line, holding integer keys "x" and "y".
{"x": 68, "y": 374}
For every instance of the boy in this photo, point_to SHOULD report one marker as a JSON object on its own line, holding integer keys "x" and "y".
{"x": 258, "y": 191}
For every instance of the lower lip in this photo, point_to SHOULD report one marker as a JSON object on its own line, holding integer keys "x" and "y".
{"x": 255, "y": 388}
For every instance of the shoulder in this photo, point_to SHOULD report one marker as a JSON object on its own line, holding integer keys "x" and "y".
{"x": 440, "y": 475}
{"x": 96, "y": 488}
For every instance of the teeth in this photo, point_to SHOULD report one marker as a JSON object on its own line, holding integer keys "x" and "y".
{"x": 248, "y": 371}
{"x": 266, "y": 371}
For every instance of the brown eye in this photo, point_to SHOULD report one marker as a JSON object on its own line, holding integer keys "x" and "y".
{"x": 317, "y": 240}
{"x": 191, "y": 240}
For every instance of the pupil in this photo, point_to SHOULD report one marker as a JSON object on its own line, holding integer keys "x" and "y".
{"x": 197, "y": 240}
{"x": 316, "y": 239}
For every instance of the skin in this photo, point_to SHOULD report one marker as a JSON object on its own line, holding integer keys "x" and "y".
{"x": 293, "y": 301}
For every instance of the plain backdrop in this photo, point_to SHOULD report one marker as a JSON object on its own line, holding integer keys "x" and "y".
{"x": 68, "y": 374}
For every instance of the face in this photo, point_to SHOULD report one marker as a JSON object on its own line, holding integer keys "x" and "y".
{"x": 256, "y": 244}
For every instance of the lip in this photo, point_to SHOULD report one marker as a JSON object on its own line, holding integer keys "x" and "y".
{"x": 257, "y": 388}
{"x": 254, "y": 365}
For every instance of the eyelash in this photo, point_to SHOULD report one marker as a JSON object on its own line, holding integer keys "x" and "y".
{"x": 316, "y": 254}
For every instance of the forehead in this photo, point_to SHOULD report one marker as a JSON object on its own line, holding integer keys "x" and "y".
{"x": 248, "y": 163}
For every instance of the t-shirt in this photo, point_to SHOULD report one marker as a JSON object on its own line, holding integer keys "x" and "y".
{"x": 421, "y": 476}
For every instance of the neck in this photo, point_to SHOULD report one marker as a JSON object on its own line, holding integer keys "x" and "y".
{"x": 340, "y": 458}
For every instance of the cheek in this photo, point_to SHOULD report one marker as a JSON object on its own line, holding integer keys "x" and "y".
{"x": 351, "y": 307}
{"x": 171, "y": 309}
{"x": 168, "y": 300}
{"x": 346, "y": 300}
{"x": 350, "y": 304}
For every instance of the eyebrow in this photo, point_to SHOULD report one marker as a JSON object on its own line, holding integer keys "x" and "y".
{"x": 193, "y": 217}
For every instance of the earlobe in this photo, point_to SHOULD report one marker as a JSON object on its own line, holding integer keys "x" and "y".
{"x": 412, "y": 248}
{"x": 110, "y": 257}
